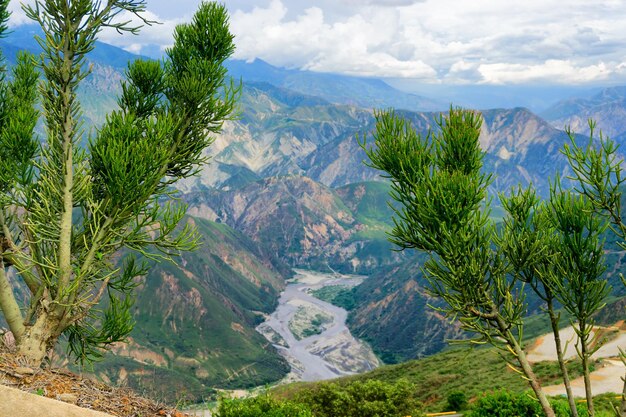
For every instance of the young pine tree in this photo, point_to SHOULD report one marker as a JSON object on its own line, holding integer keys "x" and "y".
{"x": 598, "y": 174}
{"x": 66, "y": 210}
{"x": 479, "y": 270}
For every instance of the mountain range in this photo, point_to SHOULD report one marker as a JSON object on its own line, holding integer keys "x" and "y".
{"x": 606, "y": 108}
{"x": 287, "y": 187}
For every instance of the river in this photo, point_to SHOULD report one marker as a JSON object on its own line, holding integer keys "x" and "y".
{"x": 332, "y": 353}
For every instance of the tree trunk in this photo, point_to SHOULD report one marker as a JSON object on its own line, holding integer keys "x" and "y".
{"x": 559, "y": 355}
{"x": 622, "y": 408}
{"x": 9, "y": 306}
{"x": 584, "y": 356}
{"x": 39, "y": 339}
{"x": 526, "y": 368}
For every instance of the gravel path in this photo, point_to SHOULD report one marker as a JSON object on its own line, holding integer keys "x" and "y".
{"x": 607, "y": 378}
{"x": 545, "y": 349}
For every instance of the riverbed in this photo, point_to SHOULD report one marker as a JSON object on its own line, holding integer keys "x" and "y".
{"x": 334, "y": 351}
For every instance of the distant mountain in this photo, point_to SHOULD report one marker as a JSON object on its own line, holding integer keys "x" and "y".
{"x": 521, "y": 148}
{"x": 23, "y": 38}
{"x": 607, "y": 108}
{"x": 276, "y": 133}
{"x": 338, "y": 89}
{"x": 282, "y": 132}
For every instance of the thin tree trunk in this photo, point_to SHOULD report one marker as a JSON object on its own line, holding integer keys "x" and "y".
{"x": 559, "y": 355}
{"x": 622, "y": 408}
{"x": 584, "y": 356}
{"x": 9, "y": 306}
{"x": 526, "y": 368}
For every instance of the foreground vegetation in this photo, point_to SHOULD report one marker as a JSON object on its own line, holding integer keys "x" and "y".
{"x": 359, "y": 399}
{"x": 554, "y": 247}
{"x": 472, "y": 371}
{"x": 382, "y": 399}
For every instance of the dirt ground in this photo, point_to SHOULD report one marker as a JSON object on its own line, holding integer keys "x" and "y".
{"x": 60, "y": 384}
{"x": 608, "y": 375}
{"x": 606, "y": 379}
{"x": 545, "y": 350}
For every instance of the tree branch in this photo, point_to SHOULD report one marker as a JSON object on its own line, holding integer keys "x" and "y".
{"x": 9, "y": 306}
{"x": 29, "y": 278}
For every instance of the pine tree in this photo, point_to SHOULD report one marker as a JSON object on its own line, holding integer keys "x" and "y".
{"x": 478, "y": 269}
{"x": 67, "y": 209}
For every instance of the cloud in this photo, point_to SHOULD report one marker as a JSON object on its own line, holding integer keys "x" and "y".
{"x": 160, "y": 33}
{"x": 384, "y": 3}
{"x": 18, "y": 17}
{"x": 483, "y": 41}
{"x": 437, "y": 41}
{"x": 364, "y": 44}
{"x": 565, "y": 71}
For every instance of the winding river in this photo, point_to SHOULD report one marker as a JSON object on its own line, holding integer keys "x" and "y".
{"x": 333, "y": 352}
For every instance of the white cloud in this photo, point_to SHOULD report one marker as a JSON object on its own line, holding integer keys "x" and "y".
{"x": 160, "y": 33}
{"x": 365, "y": 44}
{"x": 483, "y": 41}
{"x": 18, "y": 17}
{"x": 451, "y": 41}
{"x": 551, "y": 70}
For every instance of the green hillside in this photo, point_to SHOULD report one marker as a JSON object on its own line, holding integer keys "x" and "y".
{"x": 472, "y": 371}
{"x": 195, "y": 322}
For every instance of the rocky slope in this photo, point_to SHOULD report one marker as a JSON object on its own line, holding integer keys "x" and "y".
{"x": 520, "y": 148}
{"x": 305, "y": 223}
{"x": 284, "y": 133}
{"x": 393, "y": 314}
{"x": 277, "y": 130}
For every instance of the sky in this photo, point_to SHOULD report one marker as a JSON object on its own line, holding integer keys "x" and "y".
{"x": 445, "y": 42}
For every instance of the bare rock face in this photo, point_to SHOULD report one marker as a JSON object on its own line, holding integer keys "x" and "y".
{"x": 307, "y": 224}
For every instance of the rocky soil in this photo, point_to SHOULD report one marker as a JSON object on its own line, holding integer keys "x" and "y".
{"x": 63, "y": 385}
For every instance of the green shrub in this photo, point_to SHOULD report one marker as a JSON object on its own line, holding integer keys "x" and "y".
{"x": 505, "y": 404}
{"x": 561, "y": 408}
{"x": 363, "y": 399}
{"x": 262, "y": 406}
{"x": 457, "y": 400}
{"x": 604, "y": 404}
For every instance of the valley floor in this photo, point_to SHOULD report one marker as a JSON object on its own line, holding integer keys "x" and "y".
{"x": 312, "y": 334}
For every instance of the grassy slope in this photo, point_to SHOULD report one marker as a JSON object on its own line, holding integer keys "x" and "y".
{"x": 472, "y": 371}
